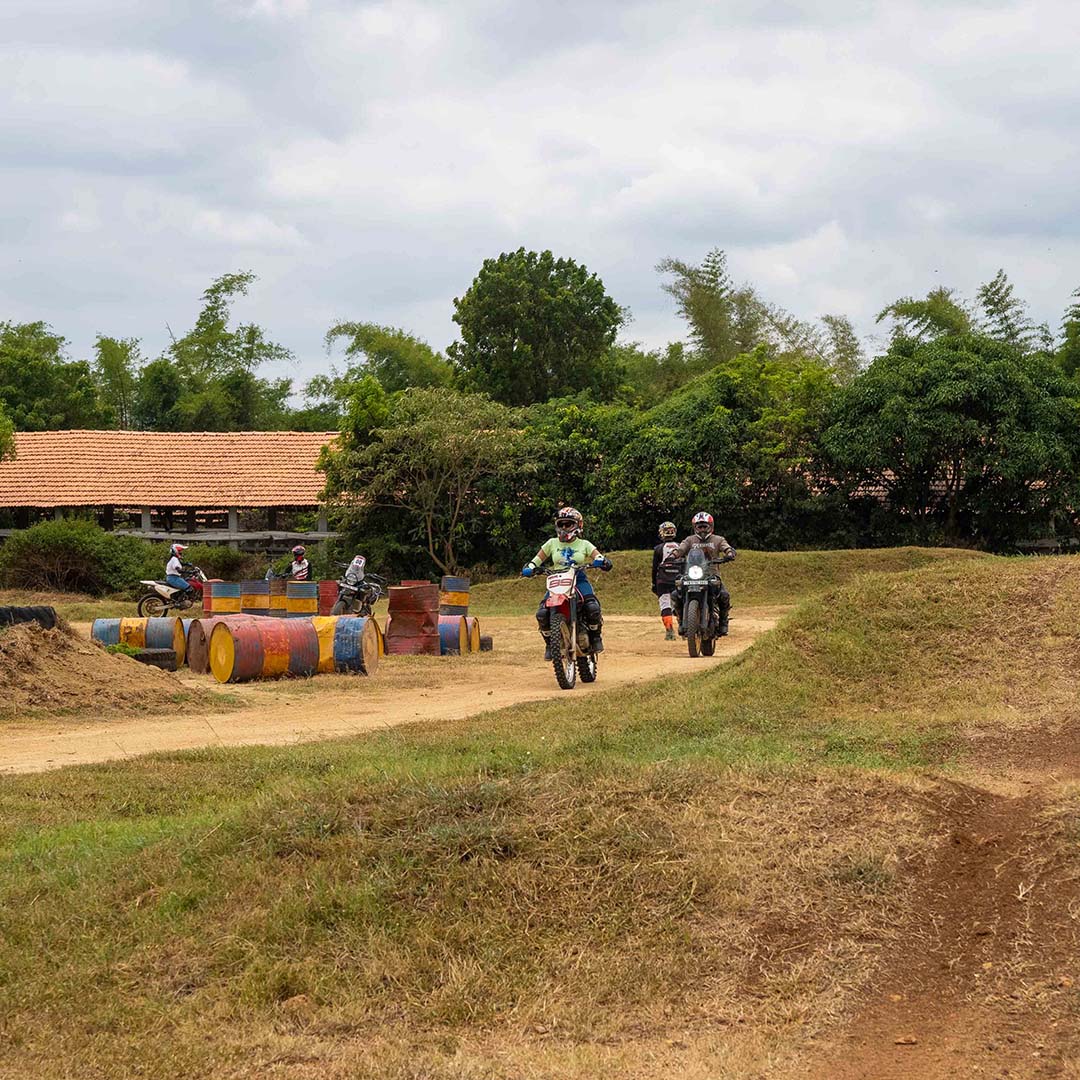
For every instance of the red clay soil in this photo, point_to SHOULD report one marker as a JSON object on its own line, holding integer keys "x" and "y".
{"x": 985, "y": 982}
{"x": 56, "y": 670}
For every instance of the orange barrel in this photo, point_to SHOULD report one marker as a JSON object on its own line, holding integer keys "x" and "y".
{"x": 454, "y": 596}
{"x": 324, "y": 631}
{"x": 198, "y": 643}
{"x": 356, "y": 645}
{"x": 255, "y": 597}
{"x": 166, "y": 633}
{"x": 278, "y": 606}
{"x": 208, "y": 595}
{"x": 453, "y": 635}
{"x": 224, "y": 597}
{"x": 275, "y": 647}
{"x": 473, "y": 626}
{"x": 107, "y": 631}
{"x": 328, "y": 594}
{"x": 302, "y": 599}
{"x": 133, "y": 633}
{"x": 236, "y": 650}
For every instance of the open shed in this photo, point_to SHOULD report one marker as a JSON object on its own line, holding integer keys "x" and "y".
{"x": 257, "y": 489}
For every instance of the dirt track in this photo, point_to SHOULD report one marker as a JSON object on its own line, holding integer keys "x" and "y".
{"x": 405, "y": 690}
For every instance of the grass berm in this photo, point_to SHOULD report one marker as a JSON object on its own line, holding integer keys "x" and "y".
{"x": 690, "y": 877}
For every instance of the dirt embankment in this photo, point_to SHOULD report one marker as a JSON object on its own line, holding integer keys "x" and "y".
{"x": 58, "y": 671}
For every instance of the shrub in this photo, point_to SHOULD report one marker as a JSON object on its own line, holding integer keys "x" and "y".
{"x": 219, "y": 561}
{"x": 73, "y": 555}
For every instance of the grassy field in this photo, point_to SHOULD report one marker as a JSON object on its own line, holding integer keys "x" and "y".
{"x": 691, "y": 877}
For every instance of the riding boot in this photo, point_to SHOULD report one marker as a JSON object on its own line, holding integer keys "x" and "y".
{"x": 596, "y": 641}
{"x": 670, "y": 635}
{"x": 547, "y": 645}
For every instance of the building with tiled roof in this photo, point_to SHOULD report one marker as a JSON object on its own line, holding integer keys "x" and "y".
{"x": 152, "y": 480}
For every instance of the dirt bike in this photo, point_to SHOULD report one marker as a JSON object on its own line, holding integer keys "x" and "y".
{"x": 358, "y": 592}
{"x": 571, "y": 650}
{"x": 163, "y": 597}
{"x": 698, "y": 590}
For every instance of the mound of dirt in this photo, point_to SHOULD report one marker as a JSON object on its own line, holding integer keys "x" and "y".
{"x": 53, "y": 670}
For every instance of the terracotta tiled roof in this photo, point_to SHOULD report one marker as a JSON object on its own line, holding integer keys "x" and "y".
{"x": 158, "y": 468}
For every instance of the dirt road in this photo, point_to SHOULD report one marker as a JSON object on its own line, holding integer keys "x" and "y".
{"x": 406, "y": 690}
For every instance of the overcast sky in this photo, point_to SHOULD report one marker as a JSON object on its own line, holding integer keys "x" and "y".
{"x": 364, "y": 158}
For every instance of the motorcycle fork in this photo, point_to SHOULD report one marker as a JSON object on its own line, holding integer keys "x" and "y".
{"x": 573, "y": 625}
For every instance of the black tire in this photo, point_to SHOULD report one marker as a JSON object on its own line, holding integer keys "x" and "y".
{"x": 151, "y": 606}
{"x": 692, "y": 622}
{"x": 708, "y": 646}
{"x": 561, "y": 661}
{"x": 486, "y": 643}
{"x": 586, "y": 666}
{"x": 159, "y": 658}
{"x": 340, "y": 608}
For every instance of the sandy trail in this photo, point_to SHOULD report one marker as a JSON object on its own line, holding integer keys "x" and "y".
{"x": 405, "y": 690}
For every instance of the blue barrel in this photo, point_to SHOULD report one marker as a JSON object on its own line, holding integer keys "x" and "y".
{"x": 302, "y": 599}
{"x": 453, "y": 635}
{"x": 356, "y": 645}
{"x": 224, "y": 597}
{"x": 107, "y": 631}
{"x": 167, "y": 633}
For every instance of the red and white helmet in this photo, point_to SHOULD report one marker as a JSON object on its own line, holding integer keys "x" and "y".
{"x": 702, "y": 523}
{"x": 178, "y": 550}
{"x": 299, "y": 552}
{"x": 569, "y": 524}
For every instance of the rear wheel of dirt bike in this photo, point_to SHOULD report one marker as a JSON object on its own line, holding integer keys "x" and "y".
{"x": 151, "y": 606}
{"x": 340, "y": 608}
{"x": 561, "y": 652}
{"x": 586, "y": 666}
{"x": 708, "y": 646}
{"x": 692, "y": 622}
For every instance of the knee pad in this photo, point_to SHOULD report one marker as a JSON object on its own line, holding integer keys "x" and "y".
{"x": 590, "y": 610}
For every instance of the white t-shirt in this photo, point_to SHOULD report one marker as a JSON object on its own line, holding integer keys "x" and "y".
{"x": 174, "y": 566}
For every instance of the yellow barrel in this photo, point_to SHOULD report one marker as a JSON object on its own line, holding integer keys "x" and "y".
{"x": 381, "y": 635}
{"x": 473, "y": 627}
{"x": 302, "y": 598}
{"x": 225, "y": 597}
{"x": 324, "y": 628}
{"x": 133, "y": 633}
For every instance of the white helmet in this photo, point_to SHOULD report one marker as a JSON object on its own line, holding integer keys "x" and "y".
{"x": 703, "y": 524}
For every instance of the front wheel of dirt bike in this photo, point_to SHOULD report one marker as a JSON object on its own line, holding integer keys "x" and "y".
{"x": 562, "y": 659}
{"x": 151, "y": 606}
{"x": 708, "y": 646}
{"x": 586, "y": 666}
{"x": 692, "y": 622}
{"x": 340, "y": 608}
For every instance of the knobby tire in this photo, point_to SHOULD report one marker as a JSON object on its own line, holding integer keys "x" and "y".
{"x": 693, "y": 626}
{"x": 565, "y": 670}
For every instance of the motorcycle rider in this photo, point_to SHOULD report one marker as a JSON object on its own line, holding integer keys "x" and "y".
{"x": 300, "y": 570}
{"x": 569, "y": 550}
{"x": 174, "y": 570}
{"x": 717, "y": 548}
{"x": 664, "y": 572}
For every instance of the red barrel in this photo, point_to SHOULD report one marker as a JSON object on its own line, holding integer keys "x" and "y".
{"x": 198, "y": 649}
{"x": 414, "y": 626}
{"x": 328, "y": 594}
{"x": 303, "y": 647}
{"x": 236, "y": 648}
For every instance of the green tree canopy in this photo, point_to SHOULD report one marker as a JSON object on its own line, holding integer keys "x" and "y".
{"x": 40, "y": 389}
{"x": 534, "y": 327}
{"x": 7, "y": 430}
{"x": 396, "y": 358}
{"x": 116, "y": 365}
{"x": 966, "y": 435}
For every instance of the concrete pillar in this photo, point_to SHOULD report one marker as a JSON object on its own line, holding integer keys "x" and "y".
{"x": 108, "y": 519}
{"x": 191, "y": 523}
{"x": 145, "y": 526}
{"x": 271, "y": 518}
{"x": 324, "y": 525}
{"x": 58, "y": 513}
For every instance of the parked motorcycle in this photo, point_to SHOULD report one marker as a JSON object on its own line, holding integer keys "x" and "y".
{"x": 571, "y": 651}
{"x": 163, "y": 597}
{"x": 696, "y": 595}
{"x": 358, "y": 591}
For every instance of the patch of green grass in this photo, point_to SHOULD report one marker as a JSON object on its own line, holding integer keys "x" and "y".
{"x": 755, "y": 578}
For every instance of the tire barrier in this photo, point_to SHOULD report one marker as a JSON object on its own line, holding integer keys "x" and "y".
{"x": 161, "y": 633}
{"x": 413, "y": 626}
{"x": 246, "y": 649}
{"x": 486, "y": 644}
{"x": 473, "y": 626}
{"x": 454, "y": 596}
{"x": 165, "y": 659}
{"x": 453, "y": 635}
{"x": 224, "y": 597}
{"x": 255, "y": 597}
{"x": 302, "y": 599}
{"x": 45, "y": 617}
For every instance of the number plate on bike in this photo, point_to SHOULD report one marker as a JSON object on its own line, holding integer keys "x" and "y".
{"x": 560, "y": 583}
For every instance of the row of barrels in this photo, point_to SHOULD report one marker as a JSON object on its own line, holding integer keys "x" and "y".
{"x": 277, "y": 597}
{"x": 239, "y": 648}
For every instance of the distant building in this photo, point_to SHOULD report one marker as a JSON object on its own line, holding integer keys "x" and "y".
{"x": 252, "y": 489}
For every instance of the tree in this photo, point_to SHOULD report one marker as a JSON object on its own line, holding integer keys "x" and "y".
{"x": 429, "y": 460}
{"x": 939, "y": 314}
{"x": 158, "y": 392}
{"x": 396, "y": 358}
{"x": 965, "y": 434}
{"x": 1068, "y": 353}
{"x": 116, "y": 363}
{"x": 7, "y": 440}
{"x": 40, "y": 389}
{"x": 1005, "y": 315}
{"x": 535, "y": 327}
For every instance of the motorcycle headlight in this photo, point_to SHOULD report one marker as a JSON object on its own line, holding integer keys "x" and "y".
{"x": 695, "y": 573}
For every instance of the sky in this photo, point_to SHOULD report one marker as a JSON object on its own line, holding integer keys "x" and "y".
{"x": 363, "y": 159}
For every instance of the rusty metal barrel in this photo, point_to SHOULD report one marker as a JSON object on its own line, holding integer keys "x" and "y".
{"x": 328, "y": 594}
{"x": 454, "y": 596}
{"x": 302, "y": 599}
{"x": 253, "y": 648}
{"x": 161, "y": 633}
{"x": 453, "y": 635}
{"x": 224, "y": 597}
{"x": 473, "y": 628}
{"x": 414, "y": 624}
{"x": 278, "y": 606}
{"x": 198, "y": 643}
{"x": 356, "y": 645}
{"x": 255, "y": 597}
